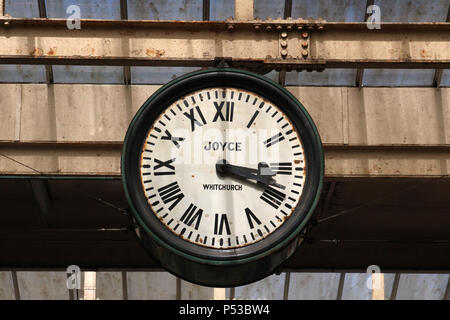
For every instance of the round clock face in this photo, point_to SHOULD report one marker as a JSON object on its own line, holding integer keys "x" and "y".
{"x": 222, "y": 167}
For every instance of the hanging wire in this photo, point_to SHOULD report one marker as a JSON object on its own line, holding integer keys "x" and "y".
{"x": 121, "y": 210}
{"x": 374, "y": 201}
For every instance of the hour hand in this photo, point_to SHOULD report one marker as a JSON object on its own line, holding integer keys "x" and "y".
{"x": 263, "y": 174}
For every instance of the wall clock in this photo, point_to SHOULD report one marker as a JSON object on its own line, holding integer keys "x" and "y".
{"x": 222, "y": 169}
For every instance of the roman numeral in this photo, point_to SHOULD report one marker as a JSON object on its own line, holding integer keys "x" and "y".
{"x": 251, "y": 217}
{"x": 282, "y": 167}
{"x": 194, "y": 121}
{"x": 175, "y": 140}
{"x": 164, "y": 164}
{"x": 273, "y": 197}
{"x": 252, "y": 119}
{"x": 171, "y": 193}
{"x": 219, "y": 223}
{"x": 190, "y": 216}
{"x": 273, "y": 140}
{"x": 229, "y": 110}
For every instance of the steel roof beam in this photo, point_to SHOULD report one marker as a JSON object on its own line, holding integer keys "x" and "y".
{"x": 253, "y": 44}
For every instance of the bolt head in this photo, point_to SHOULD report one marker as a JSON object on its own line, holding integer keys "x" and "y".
{"x": 304, "y": 53}
{"x": 284, "y": 34}
{"x": 304, "y": 44}
{"x": 268, "y": 28}
{"x": 305, "y": 35}
{"x": 283, "y": 44}
{"x": 283, "y": 53}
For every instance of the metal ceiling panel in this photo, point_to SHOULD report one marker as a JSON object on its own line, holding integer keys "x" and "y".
{"x": 43, "y": 285}
{"x": 273, "y": 75}
{"x": 22, "y": 73}
{"x": 313, "y": 286}
{"x": 398, "y": 77}
{"x": 6, "y": 286}
{"x": 89, "y": 9}
{"x": 270, "y": 288}
{"x": 221, "y": 9}
{"x": 109, "y": 286}
{"x": 328, "y": 77}
{"x": 413, "y": 10}
{"x": 22, "y": 8}
{"x": 445, "y": 82}
{"x": 265, "y": 9}
{"x": 87, "y": 74}
{"x": 157, "y": 75}
{"x": 165, "y": 10}
{"x": 151, "y": 285}
{"x": 356, "y": 288}
{"x": 348, "y": 11}
{"x": 422, "y": 286}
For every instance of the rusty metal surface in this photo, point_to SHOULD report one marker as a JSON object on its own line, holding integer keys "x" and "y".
{"x": 220, "y": 25}
{"x": 253, "y": 45}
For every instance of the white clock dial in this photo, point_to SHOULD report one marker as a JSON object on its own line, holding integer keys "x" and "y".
{"x": 223, "y": 206}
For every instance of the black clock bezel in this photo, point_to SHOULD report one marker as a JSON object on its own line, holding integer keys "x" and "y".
{"x": 239, "y": 79}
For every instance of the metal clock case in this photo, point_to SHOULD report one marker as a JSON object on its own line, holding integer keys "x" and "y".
{"x": 222, "y": 169}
